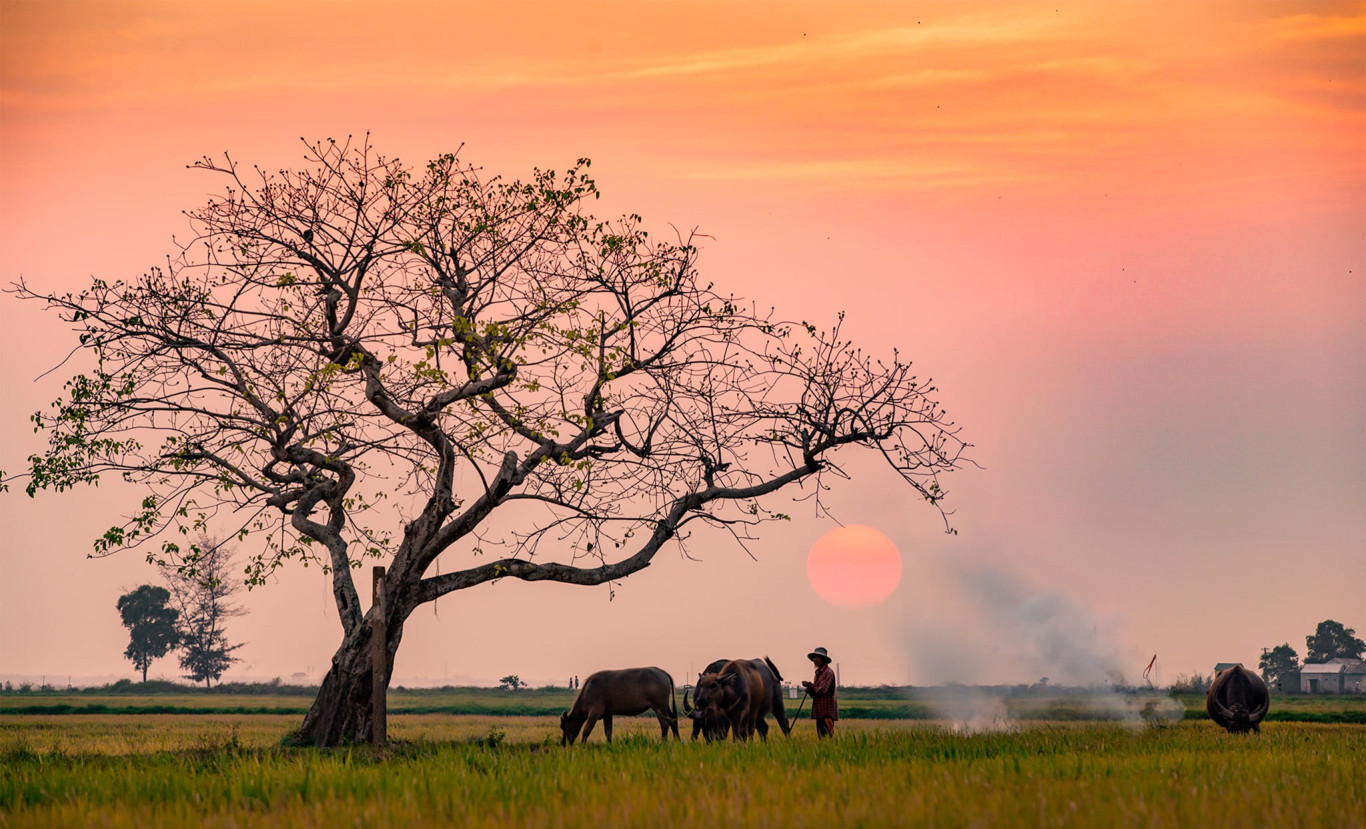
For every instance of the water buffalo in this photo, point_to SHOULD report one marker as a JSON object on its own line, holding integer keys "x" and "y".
{"x": 730, "y": 700}
{"x": 713, "y": 725}
{"x": 707, "y": 719}
{"x": 1238, "y": 699}
{"x": 627, "y": 692}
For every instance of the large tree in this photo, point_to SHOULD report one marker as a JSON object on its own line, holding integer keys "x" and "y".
{"x": 1278, "y": 664}
{"x": 1332, "y": 639}
{"x": 202, "y": 586}
{"x": 356, "y": 359}
{"x": 151, "y": 623}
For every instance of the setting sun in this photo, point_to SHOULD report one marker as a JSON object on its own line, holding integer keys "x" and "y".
{"x": 854, "y": 566}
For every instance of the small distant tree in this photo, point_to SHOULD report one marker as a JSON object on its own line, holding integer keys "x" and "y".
{"x": 151, "y": 624}
{"x": 200, "y": 589}
{"x": 1330, "y": 640}
{"x": 1279, "y": 663}
{"x": 511, "y": 682}
{"x": 1196, "y": 683}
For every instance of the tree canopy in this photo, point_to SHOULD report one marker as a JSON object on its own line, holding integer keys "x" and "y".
{"x": 1279, "y": 664}
{"x": 151, "y": 624}
{"x": 356, "y": 359}
{"x": 1332, "y": 639}
{"x": 201, "y": 591}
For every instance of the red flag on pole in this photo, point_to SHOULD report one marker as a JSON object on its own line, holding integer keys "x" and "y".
{"x": 1149, "y": 669}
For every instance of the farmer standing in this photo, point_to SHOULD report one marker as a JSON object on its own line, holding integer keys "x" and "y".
{"x": 824, "y": 706}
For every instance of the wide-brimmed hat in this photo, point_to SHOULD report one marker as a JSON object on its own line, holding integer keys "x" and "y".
{"x": 821, "y": 652}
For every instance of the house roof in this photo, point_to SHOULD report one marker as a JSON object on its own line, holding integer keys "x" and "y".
{"x": 1336, "y": 665}
{"x": 1322, "y": 668}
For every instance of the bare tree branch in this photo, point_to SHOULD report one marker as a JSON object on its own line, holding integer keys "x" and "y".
{"x": 357, "y": 359}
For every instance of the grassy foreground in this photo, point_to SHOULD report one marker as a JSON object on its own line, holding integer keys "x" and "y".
{"x": 225, "y": 770}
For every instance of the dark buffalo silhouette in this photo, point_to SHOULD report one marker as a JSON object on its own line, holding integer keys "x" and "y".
{"x": 704, "y": 721}
{"x": 712, "y": 725}
{"x": 1238, "y": 700}
{"x": 627, "y": 692}
{"x": 730, "y": 700}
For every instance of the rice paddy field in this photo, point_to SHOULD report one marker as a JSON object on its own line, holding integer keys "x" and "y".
{"x": 507, "y": 770}
{"x": 878, "y": 703}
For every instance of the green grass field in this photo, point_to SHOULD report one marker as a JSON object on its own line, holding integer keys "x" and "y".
{"x": 226, "y": 770}
{"x": 855, "y": 703}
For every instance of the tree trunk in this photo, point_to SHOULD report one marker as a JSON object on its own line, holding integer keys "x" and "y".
{"x": 341, "y": 712}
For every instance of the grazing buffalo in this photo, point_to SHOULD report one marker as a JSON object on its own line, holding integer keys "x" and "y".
{"x": 713, "y": 725}
{"x": 1238, "y": 700}
{"x": 626, "y": 692}
{"x": 730, "y": 699}
{"x": 702, "y": 723}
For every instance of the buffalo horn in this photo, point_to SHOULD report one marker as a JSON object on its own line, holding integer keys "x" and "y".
{"x": 1226, "y": 713}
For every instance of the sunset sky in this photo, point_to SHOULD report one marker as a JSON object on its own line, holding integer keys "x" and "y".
{"x": 1128, "y": 241}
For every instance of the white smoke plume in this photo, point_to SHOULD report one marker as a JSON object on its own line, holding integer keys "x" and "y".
{"x": 996, "y": 633}
{"x": 970, "y": 709}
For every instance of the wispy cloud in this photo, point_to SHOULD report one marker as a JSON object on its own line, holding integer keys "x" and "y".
{"x": 866, "y": 46}
{"x": 1319, "y": 26}
{"x": 865, "y": 173}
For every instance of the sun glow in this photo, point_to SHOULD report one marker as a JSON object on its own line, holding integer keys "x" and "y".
{"x": 854, "y": 566}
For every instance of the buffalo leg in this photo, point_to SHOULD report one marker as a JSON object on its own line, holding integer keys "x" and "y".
{"x": 588, "y": 727}
{"x": 762, "y": 726}
{"x": 738, "y": 732}
{"x": 607, "y": 726}
{"x": 663, "y": 717}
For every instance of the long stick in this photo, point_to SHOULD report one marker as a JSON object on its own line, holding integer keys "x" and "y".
{"x": 800, "y": 707}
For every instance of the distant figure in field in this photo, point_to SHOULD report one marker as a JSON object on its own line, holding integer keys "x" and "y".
{"x": 824, "y": 705}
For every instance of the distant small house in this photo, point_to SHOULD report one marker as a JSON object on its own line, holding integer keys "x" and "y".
{"x": 1340, "y": 675}
{"x": 1223, "y": 666}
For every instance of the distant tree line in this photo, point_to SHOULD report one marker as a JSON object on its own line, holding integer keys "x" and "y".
{"x": 188, "y": 615}
{"x": 1281, "y": 664}
{"x": 1329, "y": 641}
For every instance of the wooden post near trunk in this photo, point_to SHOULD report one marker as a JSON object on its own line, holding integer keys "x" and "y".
{"x": 379, "y": 664}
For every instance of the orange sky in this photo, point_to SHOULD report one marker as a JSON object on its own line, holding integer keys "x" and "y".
{"x": 1126, "y": 239}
